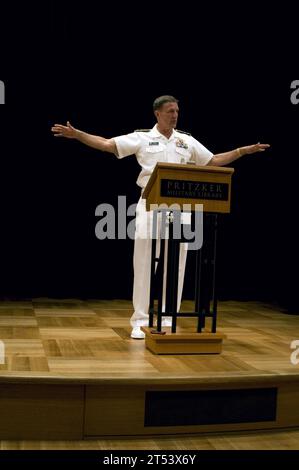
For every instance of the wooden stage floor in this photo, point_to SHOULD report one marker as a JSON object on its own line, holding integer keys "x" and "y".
{"x": 91, "y": 339}
{"x": 84, "y": 347}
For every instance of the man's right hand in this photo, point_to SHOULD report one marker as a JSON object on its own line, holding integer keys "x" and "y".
{"x": 94, "y": 141}
{"x": 67, "y": 131}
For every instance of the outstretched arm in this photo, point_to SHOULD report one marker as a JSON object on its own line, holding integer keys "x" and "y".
{"x": 94, "y": 141}
{"x": 222, "y": 159}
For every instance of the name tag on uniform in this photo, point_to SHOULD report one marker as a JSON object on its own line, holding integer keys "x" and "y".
{"x": 153, "y": 143}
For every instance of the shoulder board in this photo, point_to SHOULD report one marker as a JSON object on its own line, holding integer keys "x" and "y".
{"x": 142, "y": 130}
{"x": 183, "y": 132}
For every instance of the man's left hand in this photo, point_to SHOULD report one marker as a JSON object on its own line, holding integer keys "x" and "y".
{"x": 254, "y": 148}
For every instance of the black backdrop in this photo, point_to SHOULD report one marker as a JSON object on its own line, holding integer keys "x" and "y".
{"x": 101, "y": 66}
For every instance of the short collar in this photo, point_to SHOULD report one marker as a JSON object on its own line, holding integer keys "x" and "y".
{"x": 155, "y": 133}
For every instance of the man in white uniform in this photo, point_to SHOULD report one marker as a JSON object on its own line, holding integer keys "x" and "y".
{"x": 162, "y": 143}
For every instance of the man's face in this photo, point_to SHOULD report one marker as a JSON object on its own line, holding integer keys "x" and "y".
{"x": 167, "y": 115}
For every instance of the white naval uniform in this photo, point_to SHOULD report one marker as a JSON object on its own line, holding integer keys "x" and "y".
{"x": 151, "y": 147}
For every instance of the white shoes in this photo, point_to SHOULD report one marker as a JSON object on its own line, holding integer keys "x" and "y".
{"x": 166, "y": 322}
{"x": 137, "y": 333}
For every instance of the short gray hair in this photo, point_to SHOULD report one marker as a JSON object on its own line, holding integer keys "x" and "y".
{"x": 162, "y": 100}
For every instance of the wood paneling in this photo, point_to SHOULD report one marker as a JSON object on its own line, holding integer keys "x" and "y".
{"x": 41, "y": 411}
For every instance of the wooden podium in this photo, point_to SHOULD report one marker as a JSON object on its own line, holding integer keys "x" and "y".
{"x": 206, "y": 189}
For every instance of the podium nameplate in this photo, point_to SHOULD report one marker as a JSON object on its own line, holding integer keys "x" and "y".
{"x": 181, "y": 184}
{"x": 194, "y": 189}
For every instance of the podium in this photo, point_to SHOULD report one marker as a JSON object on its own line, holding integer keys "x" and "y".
{"x": 170, "y": 190}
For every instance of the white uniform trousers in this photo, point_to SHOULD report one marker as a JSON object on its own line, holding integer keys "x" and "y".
{"x": 142, "y": 266}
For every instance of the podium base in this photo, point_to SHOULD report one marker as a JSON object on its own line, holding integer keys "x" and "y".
{"x": 183, "y": 342}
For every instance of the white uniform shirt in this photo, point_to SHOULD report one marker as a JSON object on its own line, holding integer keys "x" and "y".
{"x": 151, "y": 147}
